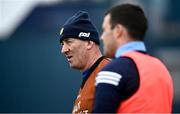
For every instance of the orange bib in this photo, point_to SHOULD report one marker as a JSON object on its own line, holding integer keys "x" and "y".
{"x": 155, "y": 93}
{"x": 85, "y": 99}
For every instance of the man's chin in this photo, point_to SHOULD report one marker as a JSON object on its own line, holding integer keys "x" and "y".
{"x": 73, "y": 66}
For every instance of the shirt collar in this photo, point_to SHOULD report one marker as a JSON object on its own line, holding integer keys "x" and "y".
{"x": 85, "y": 73}
{"x": 131, "y": 46}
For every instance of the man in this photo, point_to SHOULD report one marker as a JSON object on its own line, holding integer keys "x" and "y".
{"x": 134, "y": 81}
{"x": 80, "y": 44}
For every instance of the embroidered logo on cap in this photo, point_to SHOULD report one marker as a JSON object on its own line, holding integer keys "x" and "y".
{"x": 62, "y": 29}
{"x": 84, "y": 34}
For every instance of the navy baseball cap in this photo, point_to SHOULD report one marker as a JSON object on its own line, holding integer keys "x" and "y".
{"x": 79, "y": 26}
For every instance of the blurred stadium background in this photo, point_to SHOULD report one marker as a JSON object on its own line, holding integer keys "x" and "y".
{"x": 35, "y": 77}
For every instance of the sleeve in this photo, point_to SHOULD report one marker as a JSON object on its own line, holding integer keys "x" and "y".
{"x": 115, "y": 83}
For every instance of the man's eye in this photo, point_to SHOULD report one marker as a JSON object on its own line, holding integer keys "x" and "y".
{"x": 62, "y": 43}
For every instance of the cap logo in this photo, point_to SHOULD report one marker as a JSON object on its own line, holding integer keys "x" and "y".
{"x": 84, "y": 34}
{"x": 62, "y": 29}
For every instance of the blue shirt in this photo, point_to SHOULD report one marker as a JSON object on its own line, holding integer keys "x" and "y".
{"x": 85, "y": 73}
{"x": 131, "y": 46}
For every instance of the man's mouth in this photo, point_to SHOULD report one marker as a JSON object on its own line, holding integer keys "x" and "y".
{"x": 69, "y": 58}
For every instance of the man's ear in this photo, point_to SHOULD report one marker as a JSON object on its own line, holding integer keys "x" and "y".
{"x": 118, "y": 30}
{"x": 90, "y": 44}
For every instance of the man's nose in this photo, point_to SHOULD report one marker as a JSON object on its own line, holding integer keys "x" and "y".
{"x": 102, "y": 37}
{"x": 64, "y": 49}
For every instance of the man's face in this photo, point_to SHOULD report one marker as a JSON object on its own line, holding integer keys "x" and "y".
{"x": 75, "y": 52}
{"x": 108, "y": 38}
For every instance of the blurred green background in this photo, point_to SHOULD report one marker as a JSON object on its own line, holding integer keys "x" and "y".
{"x": 35, "y": 77}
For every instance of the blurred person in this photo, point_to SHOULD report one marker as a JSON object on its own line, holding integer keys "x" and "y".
{"x": 133, "y": 81}
{"x": 80, "y": 44}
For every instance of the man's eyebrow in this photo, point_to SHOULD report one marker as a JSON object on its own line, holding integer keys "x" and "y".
{"x": 67, "y": 39}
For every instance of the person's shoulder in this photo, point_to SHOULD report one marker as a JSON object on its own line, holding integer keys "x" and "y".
{"x": 118, "y": 70}
{"x": 118, "y": 64}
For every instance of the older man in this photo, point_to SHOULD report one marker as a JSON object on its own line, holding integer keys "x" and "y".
{"x": 80, "y": 44}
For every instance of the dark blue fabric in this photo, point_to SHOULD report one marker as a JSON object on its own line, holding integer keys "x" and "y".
{"x": 112, "y": 95}
{"x": 79, "y": 23}
{"x": 85, "y": 73}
